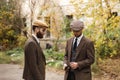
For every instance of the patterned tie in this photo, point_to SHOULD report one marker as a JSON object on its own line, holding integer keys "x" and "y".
{"x": 75, "y": 44}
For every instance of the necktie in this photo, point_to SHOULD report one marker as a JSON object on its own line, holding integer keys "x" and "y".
{"x": 75, "y": 44}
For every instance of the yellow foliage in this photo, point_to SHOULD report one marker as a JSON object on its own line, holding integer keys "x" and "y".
{"x": 113, "y": 53}
{"x": 0, "y": 32}
{"x": 99, "y": 59}
{"x": 10, "y": 33}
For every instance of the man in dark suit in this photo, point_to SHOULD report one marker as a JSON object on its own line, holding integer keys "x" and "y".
{"x": 79, "y": 54}
{"x": 34, "y": 67}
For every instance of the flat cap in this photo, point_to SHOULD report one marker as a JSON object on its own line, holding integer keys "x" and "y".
{"x": 77, "y": 25}
{"x": 40, "y": 24}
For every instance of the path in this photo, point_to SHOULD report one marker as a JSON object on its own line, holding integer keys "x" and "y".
{"x": 13, "y": 72}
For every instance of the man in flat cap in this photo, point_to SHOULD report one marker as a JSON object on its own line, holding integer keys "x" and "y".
{"x": 34, "y": 66}
{"x": 79, "y": 54}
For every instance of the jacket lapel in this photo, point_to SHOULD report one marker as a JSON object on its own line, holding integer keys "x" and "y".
{"x": 81, "y": 44}
{"x": 39, "y": 49}
{"x": 35, "y": 40}
{"x": 70, "y": 46}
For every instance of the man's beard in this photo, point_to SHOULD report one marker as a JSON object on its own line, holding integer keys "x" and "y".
{"x": 39, "y": 35}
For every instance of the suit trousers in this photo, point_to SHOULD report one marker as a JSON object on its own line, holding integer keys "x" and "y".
{"x": 71, "y": 75}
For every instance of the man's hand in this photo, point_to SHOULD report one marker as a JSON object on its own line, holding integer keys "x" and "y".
{"x": 74, "y": 65}
{"x": 64, "y": 66}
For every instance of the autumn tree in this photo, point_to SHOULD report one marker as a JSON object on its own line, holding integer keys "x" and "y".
{"x": 10, "y": 23}
{"x": 103, "y": 24}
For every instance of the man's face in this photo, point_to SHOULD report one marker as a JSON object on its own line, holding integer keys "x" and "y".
{"x": 77, "y": 33}
{"x": 40, "y": 32}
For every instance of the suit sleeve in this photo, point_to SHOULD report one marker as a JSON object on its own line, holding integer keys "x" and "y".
{"x": 90, "y": 56}
{"x": 66, "y": 54}
{"x": 31, "y": 60}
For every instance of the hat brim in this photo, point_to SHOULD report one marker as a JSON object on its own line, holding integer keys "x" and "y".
{"x": 40, "y": 24}
{"x": 76, "y": 29}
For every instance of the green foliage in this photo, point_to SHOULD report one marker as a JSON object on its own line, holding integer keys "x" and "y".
{"x": 15, "y": 52}
{"x": 66, "y": 28}
{"x": 12, "y": 56}
{"x": 16, "y": 55}
{"x": 4, "y": 58}
{"x": 54, "y": 59}
{"x": 55, "y": 64}
{"x": 50, "y": 54}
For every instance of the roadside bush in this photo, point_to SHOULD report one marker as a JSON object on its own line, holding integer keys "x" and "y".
{"x": 14, "y": 56}
{"x": 106, "y": 37}
{"x": 4, "y": 58}
{"x": 10, "y": 24}
{"x": 21, "y": 40}
{"x": 54, "y": 59}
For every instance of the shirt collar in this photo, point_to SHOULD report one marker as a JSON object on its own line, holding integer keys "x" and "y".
{"x": 36, "y": 38}
{"x": 79, "y": 38}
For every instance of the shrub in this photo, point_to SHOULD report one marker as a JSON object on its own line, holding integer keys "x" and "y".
{"x": 12, "y": 56}
{"x": 54, "y": 59}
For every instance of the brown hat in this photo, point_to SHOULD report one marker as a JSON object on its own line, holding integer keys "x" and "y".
{"x": 40, "y": 24}
{"x": 77, "y": 25}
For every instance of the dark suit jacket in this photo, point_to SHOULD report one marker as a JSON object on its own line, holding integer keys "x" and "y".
{"x": 84, "y": 57}
{"x": 34, "y": 68}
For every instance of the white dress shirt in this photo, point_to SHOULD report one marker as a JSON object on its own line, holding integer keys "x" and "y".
{"x": 36, "y": 38}
{"x": 78, "y": 39}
